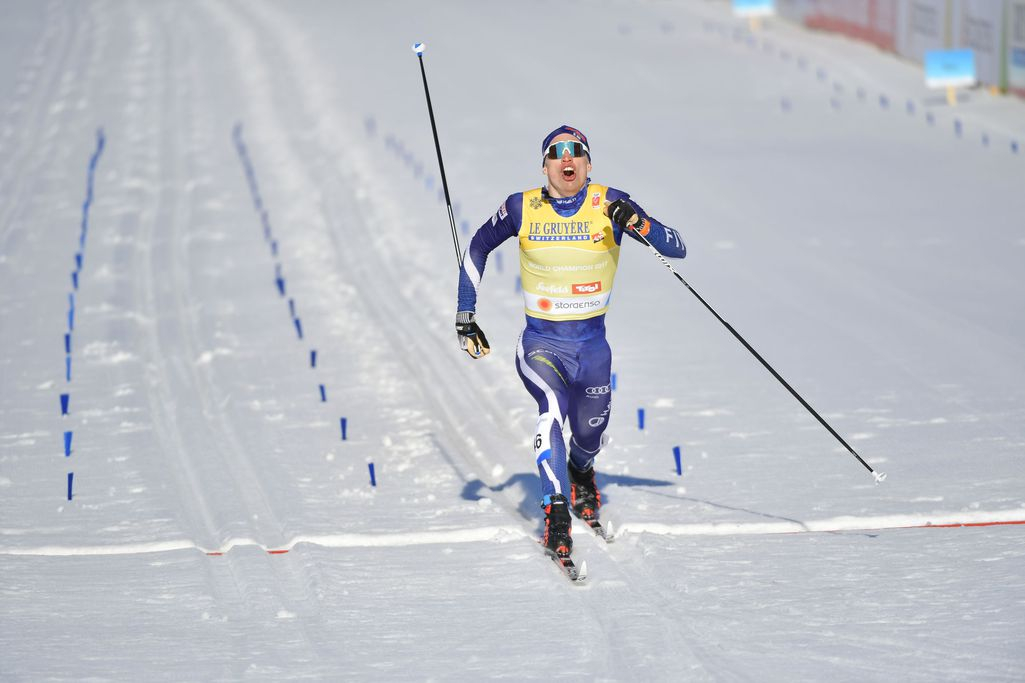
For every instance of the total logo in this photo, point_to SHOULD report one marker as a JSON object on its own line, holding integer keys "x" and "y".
{"x": 587, "y": 288}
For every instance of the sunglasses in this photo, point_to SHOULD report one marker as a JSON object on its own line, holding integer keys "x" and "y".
{"x": 575, "y": 149}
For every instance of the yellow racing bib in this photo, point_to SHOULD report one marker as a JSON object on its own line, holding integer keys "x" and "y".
{"x": 567, "y": 265}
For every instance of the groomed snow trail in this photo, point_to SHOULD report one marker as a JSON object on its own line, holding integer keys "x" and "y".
{"x": 217, "y": 512}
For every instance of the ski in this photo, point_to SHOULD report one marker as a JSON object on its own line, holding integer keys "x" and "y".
{"x": 572, "y": 572}
{"x": 603, "y": 531}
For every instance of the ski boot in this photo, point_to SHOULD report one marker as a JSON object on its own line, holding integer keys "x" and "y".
{"x": 584, "y": 494}
{"x": 558, "y": 524}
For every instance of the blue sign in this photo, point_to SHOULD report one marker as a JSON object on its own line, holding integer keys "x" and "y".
{"x": 950, "y": 68}
{"x": 753, "y": 8}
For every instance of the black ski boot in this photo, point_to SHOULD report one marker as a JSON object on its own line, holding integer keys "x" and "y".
{"x": 584, "y": 494}
{"x": 558, "y": 524}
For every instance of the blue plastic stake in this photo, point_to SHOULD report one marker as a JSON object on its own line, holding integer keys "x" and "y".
{"x": 519, "y": 284}
{"x": 64, "y": 403}
{"x": 74, "y": 279}
{"x": 884, "y": 101}
{"x": 274, "y": 247}
{"x": 78, "y": 260}
{"x": 323, "y": 394}
{"x": 299, "y": 327}
{"x": 67, "y": 444}
{"x": 640, "y": 418}
{"x": 71, "y": 480}
{"x": 71, "y": 318}
{"x": 67, "y": 343}
{"x": 313, "y": 358}
{"x": 613, "y": 381}
{"x": 679, "y": 463}
{"x": 291, "y": 307}
{"x": 957, "y": 127}
{"x": 345, "y": 424}
{"x": 373, "y": 478}
{"x": 67, "y": 368}
{"x": 281, "y": 285}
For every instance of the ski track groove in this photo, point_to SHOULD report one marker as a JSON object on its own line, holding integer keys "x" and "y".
{"x": 32, "y": 152}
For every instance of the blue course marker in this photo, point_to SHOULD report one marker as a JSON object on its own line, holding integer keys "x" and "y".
{"x": 613, "y": 381}
{"x": 67, "y": 444}
{"x": 280, "y": 282}
{"x": 957, "y": 127}
{"x": 67, "y": 368}
{"x": 373, "y": 477}
{"x": 65, "y": 398}
{"x": 345, "y": 424}
{"x": 640, "y": 418}
{"x": 291, "y": 307}
{"x": 323, "y": 394}
{"x": 313, "y": 358}
{"x": 678, "y": 459}
{"x": 298, "y": 327}
{"x": 71, "y": 481}
{"x": 71, "y": 319}
{"x": 74, "y": 279}
{"x": 78, "y": 260}
{"x": 67, "y": 343}
{"x": 274, "y": 247}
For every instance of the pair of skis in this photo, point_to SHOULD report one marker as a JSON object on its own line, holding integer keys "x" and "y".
{"x": 570, "y": 569}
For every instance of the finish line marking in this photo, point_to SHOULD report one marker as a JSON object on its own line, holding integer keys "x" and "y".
{"x": 504, "y": 534}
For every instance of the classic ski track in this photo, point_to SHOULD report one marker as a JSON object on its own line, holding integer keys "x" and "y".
{"x": 437, "y": 362}
{"x": 293, "y": 574}
{"x": 33, "y": 147}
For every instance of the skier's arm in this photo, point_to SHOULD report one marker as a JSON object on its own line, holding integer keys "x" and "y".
{"x": 500, "y": 227}
{"x": 665, "y": 239}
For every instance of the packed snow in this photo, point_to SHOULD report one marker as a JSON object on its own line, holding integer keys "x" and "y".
{"x": 263, "y": 252}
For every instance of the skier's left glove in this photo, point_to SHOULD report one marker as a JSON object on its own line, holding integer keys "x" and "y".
{"x": 622, "y": 213}
{"x": 471, "y": 337}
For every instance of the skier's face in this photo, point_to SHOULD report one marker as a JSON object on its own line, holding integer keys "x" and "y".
{"x": 567, "y": 174}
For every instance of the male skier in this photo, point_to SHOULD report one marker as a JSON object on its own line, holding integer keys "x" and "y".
{"x": 569, "y": 233}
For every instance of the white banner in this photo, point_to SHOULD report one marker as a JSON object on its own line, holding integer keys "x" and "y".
{"x": 925, "y": 25}
{"x": 1015, "y": 55}
{"x": 977, "y": 26}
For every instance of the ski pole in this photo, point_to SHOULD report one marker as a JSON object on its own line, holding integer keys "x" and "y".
{"x": 419, "y": 50}
{"x": 879, "y": 476}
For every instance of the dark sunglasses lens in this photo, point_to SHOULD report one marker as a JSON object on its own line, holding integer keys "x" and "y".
{"x": 556, "y": 150}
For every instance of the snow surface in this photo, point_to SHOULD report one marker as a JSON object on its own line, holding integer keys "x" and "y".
{"x": 832, "y": 214}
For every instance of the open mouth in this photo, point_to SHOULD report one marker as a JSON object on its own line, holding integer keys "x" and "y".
{"x": 568, "y": 173}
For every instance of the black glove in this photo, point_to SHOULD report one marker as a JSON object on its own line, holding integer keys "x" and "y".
{"x": 622, "y": 213}
{"x": 471, "y": 337}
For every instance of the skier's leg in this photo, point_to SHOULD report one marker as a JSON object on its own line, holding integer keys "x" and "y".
{"x": 590, "y": 404}
{"x": 545, "y": 377}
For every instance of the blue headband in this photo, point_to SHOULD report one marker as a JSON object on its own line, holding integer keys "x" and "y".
{"x": 559, "y": 131}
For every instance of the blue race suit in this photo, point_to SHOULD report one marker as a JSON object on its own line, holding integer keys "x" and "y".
{"x": 569, "y": 251}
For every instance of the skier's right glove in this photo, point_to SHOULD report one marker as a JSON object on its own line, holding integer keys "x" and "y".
{"x": 471, "y": 337}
